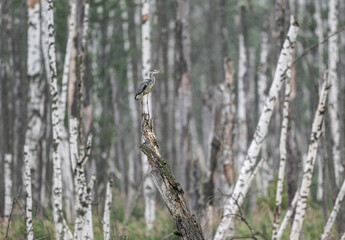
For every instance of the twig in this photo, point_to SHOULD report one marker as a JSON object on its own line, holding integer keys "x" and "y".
{"x": 12, "y": 208}
{"x": 317, "y": 44}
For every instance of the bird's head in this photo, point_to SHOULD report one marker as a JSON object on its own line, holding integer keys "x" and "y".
{"x": 154, "y": 71}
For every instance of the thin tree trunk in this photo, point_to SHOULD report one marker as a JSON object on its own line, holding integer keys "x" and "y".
{"x": 262, "y": 95}
{"x": 184, "y": 97}
{"x": 288, "y": 215}
{"x": 107, "y": 210}
{"x": 332, "y": 217}
{"x": 308, "y": 168}
{"x": 333, "y": 57}
{"x": 134, "y": 154}
{"x": 232, "y": 204}
{"x": 117, "y": 121}
{"x": 8, "y": 184}
{"x": 35, "y": 113}
{"x": 67, "y": 61}
{"x": 229, "y": 121}
{"x": 149, "y": 188}
{"x": 62, "y": 230}
{"x": 282, "y": 148}
{"x": 28, "y": 194}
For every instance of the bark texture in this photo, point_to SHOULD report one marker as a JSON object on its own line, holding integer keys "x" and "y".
{"x": 28, "y": 194}
{"x": 333, "y": 58}
{"x": 170, "y": 190}
{"x": 310, "y": 162}
{"x": 282, "y": 148}
{"x": 107, "y": 210}
{"x": 60, "y": 224}
{"x": 149, "y": 189}
{"x": 233, "y": 203}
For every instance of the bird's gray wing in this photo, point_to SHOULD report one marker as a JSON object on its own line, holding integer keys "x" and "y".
{"x": 141, "y": 87}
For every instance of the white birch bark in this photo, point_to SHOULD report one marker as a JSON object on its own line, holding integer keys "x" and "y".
{"x": 36, "y": 104}
{"x": 332, "y": 217}
{"x": 8, "y": 184}
{"x": 88, "y": 227}
{"x": 241, "y": 111}
{"x": 28, "y": 194}
{"x": 333, "y": 58}
{"x": 107, "y": 210}
{"x": 132, "y": 157}
{"x": 62, "y": 231}
{"x": 309, "y": 165}
{"x": 287, "y": 216}
{"x": 343, "y": 236}
{"x": 233, "y": 203}
{"x": 149, "y": 188}
{"x": 262, "y": 95}
{"x": 67, "y": 61}
{"x": 83, "y": 222}
{"x": 282, "y": 149}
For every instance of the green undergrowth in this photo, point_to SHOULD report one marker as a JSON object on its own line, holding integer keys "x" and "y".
{"x": 260, "y": 219}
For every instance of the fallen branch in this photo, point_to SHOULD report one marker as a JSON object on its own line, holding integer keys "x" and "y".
{"x": 169, "y": 188}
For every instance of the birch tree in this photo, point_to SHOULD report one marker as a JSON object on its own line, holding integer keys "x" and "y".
{"x": 8, "y": 184}
{"x": 287, "y": 216}
{"x": 242, "y": 99}
{"x": 35, "y": 110}
{"x": 333, "y": 58}
{"x": 149, "y": 188}
{"x": 183, "y": 68}
{"x": 28, "y": 194}
{"x": 282, "y": 148}
{"x": 333, "y": 215}
{"x": 233, "y": 203}
{"x": 132, "y": 156}
{"x": 59, "y": 221}
{"x": 35, "y": 106}
{"x": 309, "y": 165}
{"x": 107, "y": 210}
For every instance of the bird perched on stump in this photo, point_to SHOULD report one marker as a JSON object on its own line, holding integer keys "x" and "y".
{"x": 146, "y": 85}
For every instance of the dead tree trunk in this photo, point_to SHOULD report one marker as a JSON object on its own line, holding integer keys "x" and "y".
{"x": 169, "y": 188}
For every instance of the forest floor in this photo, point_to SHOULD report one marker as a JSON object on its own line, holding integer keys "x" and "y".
{"x": 260, "y": 220}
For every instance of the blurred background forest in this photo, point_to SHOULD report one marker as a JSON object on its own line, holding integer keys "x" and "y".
{"x": 192, "y": 42}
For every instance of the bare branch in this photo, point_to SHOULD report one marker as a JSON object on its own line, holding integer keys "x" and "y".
{"x": 12, "y": 208}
